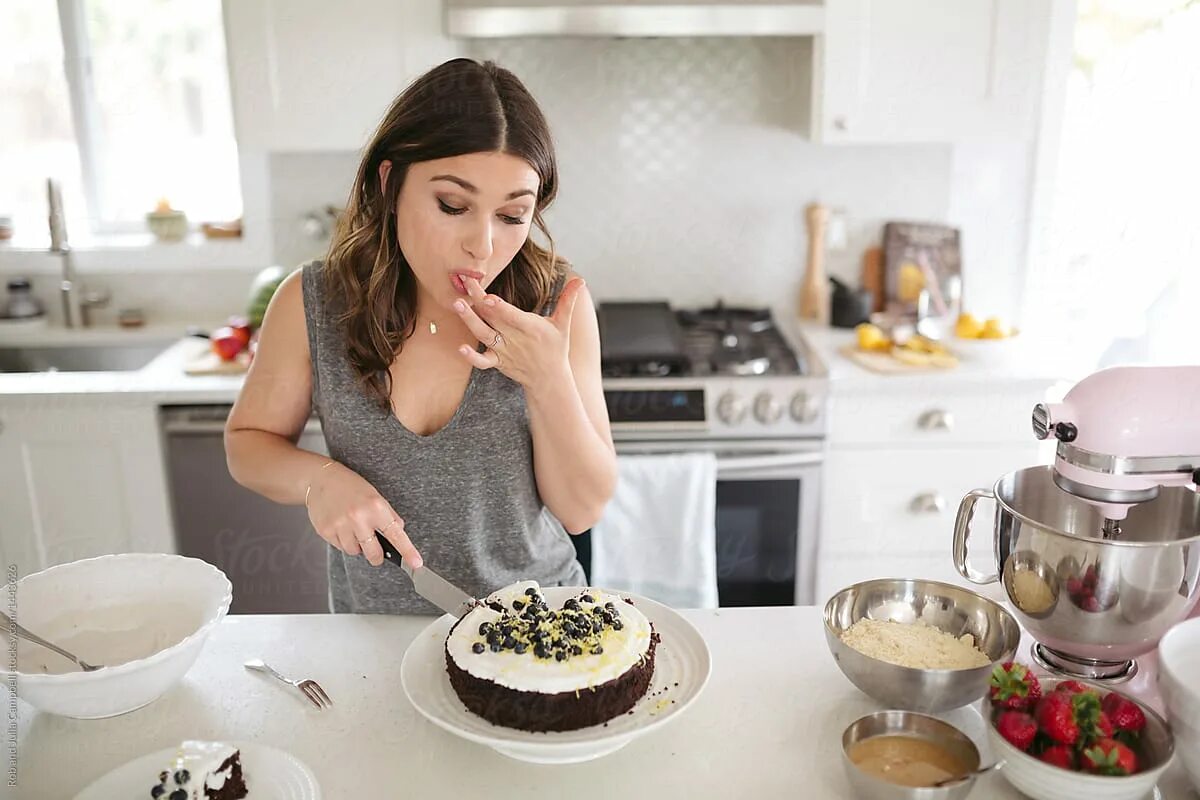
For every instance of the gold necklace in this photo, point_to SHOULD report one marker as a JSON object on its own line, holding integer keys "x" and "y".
{"x": 432, "y": 326}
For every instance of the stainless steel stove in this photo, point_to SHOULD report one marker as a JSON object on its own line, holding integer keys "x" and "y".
{"x": 732, "y": 382}
{"x": 715, "y": 372}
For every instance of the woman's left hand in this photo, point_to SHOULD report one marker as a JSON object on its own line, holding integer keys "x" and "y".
{"x": 527, "y": 347}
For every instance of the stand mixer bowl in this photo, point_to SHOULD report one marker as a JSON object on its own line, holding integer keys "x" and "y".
{"x": 1093, "y": 603}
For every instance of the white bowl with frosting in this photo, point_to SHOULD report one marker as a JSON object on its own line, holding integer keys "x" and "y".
{"x": 143, "y": 616}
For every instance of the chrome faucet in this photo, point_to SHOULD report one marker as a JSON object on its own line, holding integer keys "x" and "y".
{"x": 76, "y": 301}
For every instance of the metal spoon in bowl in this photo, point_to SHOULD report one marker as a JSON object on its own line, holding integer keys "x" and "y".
{"x": 14, "y": 628}
{"x": 967, "y": 775}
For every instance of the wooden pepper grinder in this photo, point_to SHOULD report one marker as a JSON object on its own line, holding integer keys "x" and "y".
{"x": 814, "y": 290}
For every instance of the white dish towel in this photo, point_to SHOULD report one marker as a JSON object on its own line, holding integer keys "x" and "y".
{"x": 657, "y": 537}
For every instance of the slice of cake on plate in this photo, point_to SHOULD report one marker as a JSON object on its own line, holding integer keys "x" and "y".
{"x": 202, "y": 771}
{"x": 517, "y": 662}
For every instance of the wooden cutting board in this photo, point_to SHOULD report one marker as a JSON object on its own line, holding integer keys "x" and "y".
{"x": 209, "y": 363}
{"x": 885, "y": 364}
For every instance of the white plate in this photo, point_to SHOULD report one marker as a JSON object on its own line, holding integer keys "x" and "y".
{"x": 681, "y": 657}
{"x": 270, "y": 774}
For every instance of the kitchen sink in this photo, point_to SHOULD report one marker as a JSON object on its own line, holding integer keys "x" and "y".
{"x": 79, "y": 358}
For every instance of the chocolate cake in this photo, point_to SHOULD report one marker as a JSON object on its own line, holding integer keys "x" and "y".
{"x": 517, "y": 662}
{"x": 202, "y": 771}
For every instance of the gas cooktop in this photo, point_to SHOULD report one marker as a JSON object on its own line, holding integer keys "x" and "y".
{"x": 652, "y": 340}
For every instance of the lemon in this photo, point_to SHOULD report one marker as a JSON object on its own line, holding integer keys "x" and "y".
{"x": 871, "y": 338}
{"x": 968, "y": 327}
{"x": 994, "y": 329}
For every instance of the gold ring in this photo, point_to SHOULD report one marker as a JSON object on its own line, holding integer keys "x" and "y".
{"x": 388, "y": 527}
{"x": 497, "y": 341}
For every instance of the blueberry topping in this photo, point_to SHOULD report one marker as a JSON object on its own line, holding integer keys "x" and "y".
{"x": 572, "y": 604}
{"x": 609, "y": 605}
{"x": 179, "y": 794}
{"x": 509, "y": 643}
{"x": 162, "y": 776}
{"x": 485, "y": 628}
{"x": 477, "y": 648}
{"x": 597, "y": 610}
{"x": 520, "y": 648}
{"x": 182, "y": 776}
{"x": 576, "y": 650}
{"x": 494, "y": 647}
{"x": 597, "y": 650}
{"x": 587, "y": 598}
{"x": 518, "y": 605}
{"x": 560, "y": 655}
{"x": 531, "y": 591}
{"x": 541, "y": 651}
{"x": 618, "y": 625}
{"x": 157, "y": 791}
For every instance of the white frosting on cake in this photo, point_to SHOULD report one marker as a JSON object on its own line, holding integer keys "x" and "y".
{"x": 203, "y": 761}
{"x": 621, "y": 649}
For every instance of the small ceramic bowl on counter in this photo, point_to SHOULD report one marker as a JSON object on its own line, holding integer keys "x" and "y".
{"x": 143, "y": 616}
{"x": 947, "y": 608}
{"x": 1179, "y": 683}
{"x": 900, "y": 755}
{"x": 1030, "y": 772}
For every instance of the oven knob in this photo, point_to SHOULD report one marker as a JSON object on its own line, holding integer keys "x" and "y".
{"x": 804, "y": 407}
{"x": 731, "y": 409}
{"x": 767, "y": 409}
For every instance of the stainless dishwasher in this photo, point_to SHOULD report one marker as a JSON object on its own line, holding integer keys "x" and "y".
{"x": 274, "y": 559}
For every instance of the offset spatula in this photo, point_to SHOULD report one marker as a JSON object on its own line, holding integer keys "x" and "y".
{"x": 433, "y": 587}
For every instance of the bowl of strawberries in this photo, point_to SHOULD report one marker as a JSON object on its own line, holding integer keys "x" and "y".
{"x": 1068, "y": 740}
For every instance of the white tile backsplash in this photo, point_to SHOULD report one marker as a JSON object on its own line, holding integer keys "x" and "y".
{"x": 685, "y": 169}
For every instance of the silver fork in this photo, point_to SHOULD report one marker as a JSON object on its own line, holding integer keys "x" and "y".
{"x": 310, "y": 688}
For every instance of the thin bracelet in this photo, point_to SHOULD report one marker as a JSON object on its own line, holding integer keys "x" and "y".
{"x": 309, "y": 489}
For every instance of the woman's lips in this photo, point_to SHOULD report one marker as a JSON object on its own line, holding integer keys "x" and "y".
{"x": 457, "y": 280}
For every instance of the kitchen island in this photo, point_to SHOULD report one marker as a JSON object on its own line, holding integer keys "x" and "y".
{"x": 768, "y": 724}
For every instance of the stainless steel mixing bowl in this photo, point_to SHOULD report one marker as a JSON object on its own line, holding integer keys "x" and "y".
{"x": 952, "y": 609}
{"x": 1096, "y": 602}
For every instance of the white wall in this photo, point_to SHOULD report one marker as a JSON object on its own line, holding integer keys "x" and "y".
{"x": 684, "y": 175}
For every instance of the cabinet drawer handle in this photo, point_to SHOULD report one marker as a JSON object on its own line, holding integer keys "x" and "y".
{"x": 936, "y": 419}
{"x": 928, "y": 503}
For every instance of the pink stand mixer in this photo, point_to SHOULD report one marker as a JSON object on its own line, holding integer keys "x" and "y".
{"x": 1099, "y": 554}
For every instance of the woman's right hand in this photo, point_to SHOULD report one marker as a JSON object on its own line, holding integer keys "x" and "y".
{"x": 346, "y": 511}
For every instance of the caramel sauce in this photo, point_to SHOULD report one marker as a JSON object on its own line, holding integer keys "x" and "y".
{"x": 906, "y": 760}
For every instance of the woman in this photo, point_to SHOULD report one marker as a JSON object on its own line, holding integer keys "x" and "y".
{"x": 454, "y": 363}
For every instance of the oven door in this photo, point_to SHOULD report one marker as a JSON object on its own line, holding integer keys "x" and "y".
{"x": 766, "y": 516}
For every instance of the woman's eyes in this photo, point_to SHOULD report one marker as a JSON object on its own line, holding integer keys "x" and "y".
{"x": 455, "y": 211}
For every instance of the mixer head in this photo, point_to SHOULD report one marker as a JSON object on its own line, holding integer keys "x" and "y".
{"x": 1122, "y": 434}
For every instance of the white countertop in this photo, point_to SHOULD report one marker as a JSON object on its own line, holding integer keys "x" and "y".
{"x": 163, "y": 380}
{"x": 982, "y": 361}
{"x": 768, "y": 724}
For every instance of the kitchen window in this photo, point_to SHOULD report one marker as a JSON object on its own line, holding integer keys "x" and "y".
{"x": 125, "y": 102}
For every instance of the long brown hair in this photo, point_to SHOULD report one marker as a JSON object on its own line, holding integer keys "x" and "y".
{"x": 454, "y": 109}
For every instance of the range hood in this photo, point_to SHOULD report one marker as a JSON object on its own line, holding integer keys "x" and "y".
{"x": 492, "y": 19}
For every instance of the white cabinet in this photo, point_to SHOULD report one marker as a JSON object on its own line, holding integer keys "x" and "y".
{"x": 315, "y": 75}
{"x": 79, "y": 478}
{"x": 929, "y": 70}
{"x": 900, "y": 458}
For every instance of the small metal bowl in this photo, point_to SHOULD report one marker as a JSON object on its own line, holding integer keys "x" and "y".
{"x": 949, "y": 608}
{"x": 908, "y": 723}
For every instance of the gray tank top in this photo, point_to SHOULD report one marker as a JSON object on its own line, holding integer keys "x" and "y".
{"x": 466, "y": 492}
